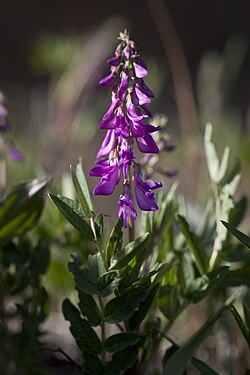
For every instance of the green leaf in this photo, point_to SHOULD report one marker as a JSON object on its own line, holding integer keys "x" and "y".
{"x": 178, "y": 361}
{"x": 95, "y": 266}
{"x": 121, "y": 308}
{"x": 239, "y": 235}
{"x": 107, "y": 283}
{"x": 85, "y": 336}
{"x": 121, "y": 361}
{"x": 99, "y": 225}
{"x": 246, "y": 314}
{"x": 84, "y": 279}
{"x": 121, "y": 341}
{"x": 237, "y": 277}
{"x": 92, "y": 364}
{"x": 89, "y": 308}
{"x": 196, "y": 246}
{"x": 210, "y": 152}
{"x": 244, "y": 329}
{"x": 122, "y": 257}
{"x": 21, "y": 207}
{"x": 73, "y": 215}
{"x": 203, "y": 367}
{"x": 206, "y": 284}
{"x": 82, "y": 190}
{"x": 115, "y": 240}
{"x": 139, "y": 315}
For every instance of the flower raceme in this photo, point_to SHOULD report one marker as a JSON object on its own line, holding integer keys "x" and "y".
{"x": 125, "y": 125}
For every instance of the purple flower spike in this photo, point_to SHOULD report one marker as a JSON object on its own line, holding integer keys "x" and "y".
{"x": 126, "y": 210}
{"x": 108, "y": 81}
{"x": 124, "y": 122}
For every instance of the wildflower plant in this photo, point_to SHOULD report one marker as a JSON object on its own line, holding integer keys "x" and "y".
{"x": 129, "y": 295}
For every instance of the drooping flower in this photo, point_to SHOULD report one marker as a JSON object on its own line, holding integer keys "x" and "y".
{"x": 126, "y": 210}
{"x": 126, "y": 122}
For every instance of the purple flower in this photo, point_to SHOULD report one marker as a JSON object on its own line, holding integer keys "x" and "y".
{"x": 123, "y": 86}
{"x": 109, "y": 117}
{"x": 108, "y": 81}
{"x": 140, "y": 68}
{"x": 126, "y": 210}
{"x": 4, "y": 126}
{"x": 114, "y": 61}
{"x": 13, "y": 153}
{"x": 110, "y": 176}
{"x": 139, "y": 98}
{"x": 143, "y": 191}
{"x": 107, "y": 144}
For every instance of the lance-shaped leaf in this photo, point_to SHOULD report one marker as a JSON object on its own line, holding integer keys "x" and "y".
{"x": 121, "y": 308}
{"x": 82, "y": 190}
{"x": 107, "y": 283}
{"x": 238, "y": 234}
{"x": 139, "y": 315}
{"x": 211, "y": 155}
{"x": 121, "y": 341}
{"x": 82, "y": 331}
{"x": 196, "y": 246}
{"x": 21, "y": 207}
{"x": 203, "y": 367}
{"x": 84, "y": 279}
{"x": 178, "y": 361}
{"x": 92, "y": 364}
{"x": 89, "y": 308}
{"x": 245, "y": 330}
{"x": 115, "y": 240}
{"x": 121, "y": 361}
{"x": 122, "y": 257}
{"x": 71, "y": 212}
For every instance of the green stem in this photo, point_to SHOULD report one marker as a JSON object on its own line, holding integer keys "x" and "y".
{"x": 103, "y": 332}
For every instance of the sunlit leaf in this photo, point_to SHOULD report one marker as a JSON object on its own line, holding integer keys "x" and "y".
{"x": 21, "y": 207}
{"x": 122, "y": 257}
{"x": 73, "y": 215}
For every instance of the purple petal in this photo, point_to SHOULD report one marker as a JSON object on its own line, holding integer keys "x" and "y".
{"x": 147, "y": 111}
{"x": 137, "y": 129}
{"x": 151, "y": 128}
{"x": 147, "y": 144}
{"x": 123, "y": 86}
{"x": 114, "y": 61}
{"x": 144, "y": 195}
{"x": 108, "y": 182}
{"x": 108, "y": 81}
{"x": 15, "y": 154}
{"x": 132, "y": 113}
{"x": 145, "y": 89}
{"x": 108, "y": 144}
{"x": 140, "y": 68}
{"x": 142, "y": 98}
{"x": 108, "y": 119}
{"x": 126, "y": 206}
